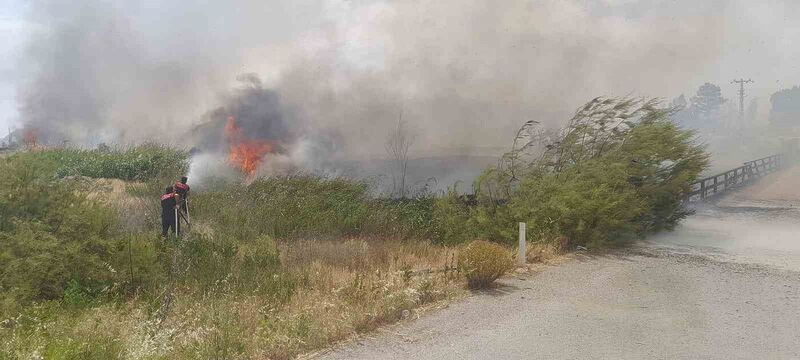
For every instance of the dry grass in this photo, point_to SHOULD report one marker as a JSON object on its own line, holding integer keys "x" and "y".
{"x": 356, "y": 254}
{"x": 357, "y": 285}
{"x": 544, "y": 252}
{"x": 343, "y": 288}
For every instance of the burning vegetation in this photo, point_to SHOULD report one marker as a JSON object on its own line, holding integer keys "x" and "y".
{"x": 245, "y": 153}
{"x": 250, "y": 127}
{"x": 31, "y": 137}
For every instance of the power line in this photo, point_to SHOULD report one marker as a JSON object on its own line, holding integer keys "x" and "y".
{"x": 741, "y": 83}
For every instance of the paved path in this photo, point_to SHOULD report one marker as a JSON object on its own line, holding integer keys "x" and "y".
{"x": 724, "y": 285}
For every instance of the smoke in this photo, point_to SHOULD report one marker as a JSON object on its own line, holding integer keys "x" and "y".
{"x": 92, "y": 77}
{"x": 469, "y": 74}
{"x": 256, "y": 110}
{"x": 334, "y": 76}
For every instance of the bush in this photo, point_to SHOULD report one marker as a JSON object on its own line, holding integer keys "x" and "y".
{"x": 304, "y": 206}
{"x": 661, "y": 161}
{"x": 484, "y": 262}
{"x": 451, "y": 220}
{"x": 39, "y": 259}
{"x": 592, "y": 205}
{"x": 286, "y": 207}
{"x": 140, "y": 163}
{"x": 618, "y": 170}
{"x": 55, "y": 243}
{"x": 401, "y": 218}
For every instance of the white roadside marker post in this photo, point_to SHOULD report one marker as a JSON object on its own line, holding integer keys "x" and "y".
{"x": 521, "y": 260}
{"x": 176, "y": 222}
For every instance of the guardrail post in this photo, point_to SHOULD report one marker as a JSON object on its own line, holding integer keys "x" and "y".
{"x": 521, "y": 256}
{"x": 703, "y": 189}
{"x": 715, "y": 184}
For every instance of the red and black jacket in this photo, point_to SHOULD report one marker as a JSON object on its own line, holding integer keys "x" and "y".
{"x": 182, "y": 189}
{"x": 168, "y": 202}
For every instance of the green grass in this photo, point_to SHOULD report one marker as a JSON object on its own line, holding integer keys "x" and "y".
{"x": 307, "y": 206}
{"x": 139, "y": 163}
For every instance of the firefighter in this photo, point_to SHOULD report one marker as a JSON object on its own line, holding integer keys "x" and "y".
{"x": 183, "y": 191}
{"x": 169, "y": 212}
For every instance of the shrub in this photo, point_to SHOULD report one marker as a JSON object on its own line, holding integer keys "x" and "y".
{"x": 401, "y": 218}
{"x": 451, "y": 219}
{"x": 662, "y": 160}
{"x": 303, "y": 206}
{"x": 49, "y": 234}
{"x": 484, "y": 262}
{"x": 55, "y": 243}
{"x": 618, "y": 169}
{"x": 286, "y": 207}
{"x": 37, "y": 261}
{"x": 139, "y": 163}
{"x": 592, "y": 204}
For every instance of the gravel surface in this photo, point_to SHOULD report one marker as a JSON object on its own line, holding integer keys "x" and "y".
{"x": 725, "y": 285}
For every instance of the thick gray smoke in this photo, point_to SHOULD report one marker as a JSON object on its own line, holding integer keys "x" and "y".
{"x": 464, "y": 73}
{"x": 257, "y": 111}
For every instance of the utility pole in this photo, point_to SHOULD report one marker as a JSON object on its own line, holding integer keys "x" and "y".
{"x": 741, "y": 83}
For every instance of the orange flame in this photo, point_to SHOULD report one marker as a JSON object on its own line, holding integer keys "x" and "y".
{"x": 245, "y": 153}
{"x": 30, "y": 136}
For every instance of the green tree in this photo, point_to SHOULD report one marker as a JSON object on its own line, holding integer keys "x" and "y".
{"x": 785, "y": 107}
{"x": 705, "y": 106}
{"x": 618, "y": 169}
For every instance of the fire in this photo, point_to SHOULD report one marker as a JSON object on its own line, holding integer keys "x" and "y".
{"x": 30, "y": 136}
{"x": 245, "y": 153}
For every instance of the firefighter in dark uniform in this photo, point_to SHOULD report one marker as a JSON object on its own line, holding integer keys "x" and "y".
{"x": 183, "y": 191}
{"x": 169, "y": 204}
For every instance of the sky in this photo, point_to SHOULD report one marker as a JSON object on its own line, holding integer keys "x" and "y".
{"x": 13, "y": 30}
{"x": 727, "y": 39}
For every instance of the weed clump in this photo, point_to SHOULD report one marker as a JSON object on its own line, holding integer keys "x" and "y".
{"x": 483, "y": 262}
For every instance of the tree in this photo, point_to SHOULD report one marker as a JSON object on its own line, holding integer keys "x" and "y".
{"x": 706, "y": 105}
{"x": 619, "y": 168}
{"x": 681, "y": 108}
{"x": 398, "y": 142}
{"x": 679, "y": 103}
{"x": 785, "y": 107}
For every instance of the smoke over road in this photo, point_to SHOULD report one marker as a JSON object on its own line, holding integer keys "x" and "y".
{"x": 331, "y": 76}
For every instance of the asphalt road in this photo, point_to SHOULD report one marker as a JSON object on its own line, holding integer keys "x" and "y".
{"x": 724, "y": 285}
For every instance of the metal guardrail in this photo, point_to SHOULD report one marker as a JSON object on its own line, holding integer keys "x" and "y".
{"x": 750, "y": 171}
